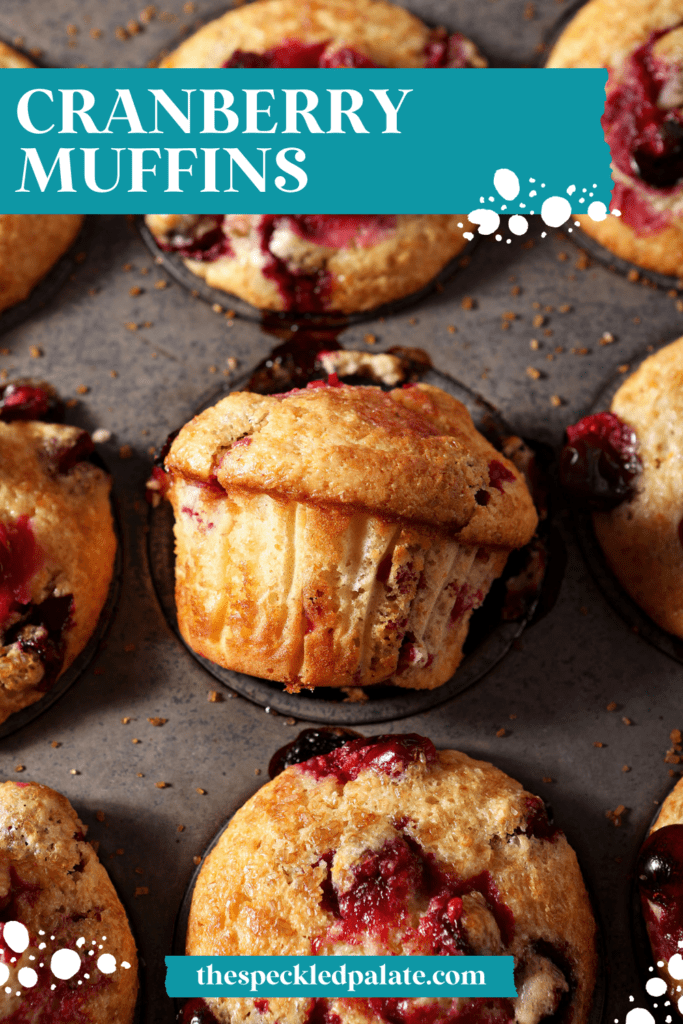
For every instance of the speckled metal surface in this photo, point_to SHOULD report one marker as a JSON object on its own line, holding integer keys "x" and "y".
{"x": 148, "y": 352}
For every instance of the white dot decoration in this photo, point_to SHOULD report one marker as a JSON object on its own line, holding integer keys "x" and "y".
{"x": 4, "y": 974}
{"x": 15, "y": 935}
{"x": 487, "y": 220}
{"x": 65, "y": 963}
{"x": 506, "y": 183}
{"x": 676, "y": 966}
{"x": 639, "y": 1015}
{"x": 597, "y": 210}
{"x": 106, "y": 963}
{"x": 655, "y": 986}
{"x": 555, "y": 211}
{"x": 518, "y": 225}
{"x": 27, "y": 977}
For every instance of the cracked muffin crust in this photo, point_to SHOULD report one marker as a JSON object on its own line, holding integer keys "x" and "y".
{"x": 387, "y": 846}
{"x": 640, "y": 42}
{"x": 660, "y": 879}
{"x": 341, "y": 263}
{"x": 339, "y": 536}
{"x": 52, "y": 882}
{"x": 642, "y": 537}
{"x": 57, "y": 549}
{"x": 30, "y": 244}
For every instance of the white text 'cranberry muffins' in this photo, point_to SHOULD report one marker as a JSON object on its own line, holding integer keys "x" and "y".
{"x": 74, "y": 960}
{"x": 57, "y": 546}
{"x": 337, "y": 535}
{"x": 337, "y": 263}
{"x": 386, "y": 846}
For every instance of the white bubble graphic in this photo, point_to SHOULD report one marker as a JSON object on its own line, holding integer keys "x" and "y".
{"x": 488, "y": 221}
{"x": 571, "y": 190}
{"x": 126, "y": 965}
{"x": 4, "y": 974}
{"x": 27, "y": 977}
{"x": 107, "y": 963}
{"x": 15, "y": 935}
{"x": 506, "y": 183}
{"x": 676, "y": 966}
{"x": 655, "y": 986}
{"x": 555, "y": 211}
{"x": 638, "y": 1015}
{"x": 597, "y": 210}
{"x": 65, "y": 963}
{"x": 80, "y": 942}
{"x": 518, "y": 225}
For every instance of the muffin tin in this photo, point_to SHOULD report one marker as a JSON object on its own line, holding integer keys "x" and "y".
{"x": 560, "y": 675}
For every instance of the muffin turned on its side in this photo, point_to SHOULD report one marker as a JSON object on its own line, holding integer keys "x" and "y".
{"x": 339, "y": 536}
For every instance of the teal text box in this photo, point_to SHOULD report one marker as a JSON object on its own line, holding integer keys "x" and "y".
{"x": 340, "y": 976}
{"x": 146, "y": 140}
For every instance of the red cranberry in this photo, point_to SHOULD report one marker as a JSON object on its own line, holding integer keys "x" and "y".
{"x": 599, "y": 463}
{"x": 498, "y": 475}
{"x": 346, "y": 57}
{"x": 320, "y": 1013}
{"x": 80, "y": 451}
{"x": 387, "y": 755}
{"x": 205, "y": 242}
{"x": 20, "y": 893}
{"x": 660, "y": 865}
{"x": 309, "y": 743}
{"x": 23, "y": 402}
{"x": 195, "y": 1011}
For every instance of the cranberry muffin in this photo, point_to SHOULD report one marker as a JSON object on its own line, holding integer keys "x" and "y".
{"x": 640, "y": 42}
{"x": 340, "y": 263}
{"x": 387, "y": 846}
{"x": 339, "y": 536}
{"x": 30, "y": 244}
{"x": 660, "y": 880}
{"x": 632, "y": 455}
{"x": 52, "y": 883}
{"x": 57, "y": 547}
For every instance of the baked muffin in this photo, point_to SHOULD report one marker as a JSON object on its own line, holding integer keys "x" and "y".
{"x": 640, "y": 42}
{"x": 341, "y": 263}
{"x": 634, "y": 455}
{"x": 339, "y": 536}
{"x": 57, "y": 547}
{"x": 30, "y": 244}
{"x": 386, "y": 846}
{"x": 660, "y": 880}
{"x": 52, "y": 883}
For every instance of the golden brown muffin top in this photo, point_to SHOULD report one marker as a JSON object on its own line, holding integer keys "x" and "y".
{"x": 11, "y": 58}
{"x": 388, "y": 35}
{"x": 52, "y": 882}
{"x": 360, "y": 852}
{"x": 411, "y": 453}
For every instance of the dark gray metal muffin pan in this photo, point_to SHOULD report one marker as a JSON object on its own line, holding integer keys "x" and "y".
{"x": 549, "y": 693}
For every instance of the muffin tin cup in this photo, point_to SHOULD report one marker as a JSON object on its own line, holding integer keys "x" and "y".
{"x": 21, "y": 718}
{"x": 615, "y": 263}
{"x": 642, "y": 951}
{"x": 174, "y": 265}
{"x": 53, "y": 281}
{"x": 328, "y": 705}
{"x": 615, "y": 594}
{"x": 180, "y": 931}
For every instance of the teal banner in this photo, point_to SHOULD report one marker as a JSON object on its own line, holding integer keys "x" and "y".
{"x": 301, "y": 141}
{"x": 352, "y": 976}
